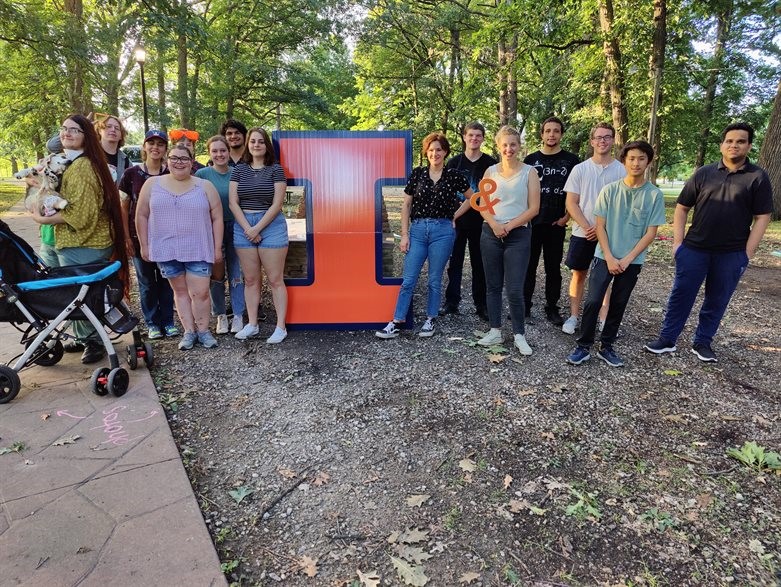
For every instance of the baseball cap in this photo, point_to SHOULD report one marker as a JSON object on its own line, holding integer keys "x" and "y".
{"x": 154, "y": 133}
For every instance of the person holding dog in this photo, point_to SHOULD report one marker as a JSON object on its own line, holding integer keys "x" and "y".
{"x": 87, "y": 229}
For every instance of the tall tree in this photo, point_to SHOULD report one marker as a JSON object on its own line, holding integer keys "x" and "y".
{"x": 770, "y": 153}
{"x": 656, "y": 68}
{"x": 614, "y": 72}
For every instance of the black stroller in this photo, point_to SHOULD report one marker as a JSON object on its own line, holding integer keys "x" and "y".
{"x": 40, "y": 302}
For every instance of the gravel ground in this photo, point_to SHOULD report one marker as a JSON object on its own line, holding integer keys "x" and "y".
{"x": 337, "y": 458}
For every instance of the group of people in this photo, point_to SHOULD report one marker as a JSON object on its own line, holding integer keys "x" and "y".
{"x": 186, "y": 226}
{"x": 523, "y": 212}
{"x": 183, "y": 224}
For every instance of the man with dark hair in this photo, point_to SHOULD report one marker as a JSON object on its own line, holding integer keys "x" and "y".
{"x": 583, "y": 186}
{"x": 732, "y": 202}
{"x": 549, "y": 228}
{"x": 236, "y": 135}
{"x": 472, "y": 163}
{"x": 628, "y": 213}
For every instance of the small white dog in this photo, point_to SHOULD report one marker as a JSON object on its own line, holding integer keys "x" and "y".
{"x": 47, "y": 173}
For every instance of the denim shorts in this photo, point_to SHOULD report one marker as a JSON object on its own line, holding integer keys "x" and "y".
{"x": 274, "y": 236}
{"x": 171, "y": 269}
{"x": 580, "y": 253}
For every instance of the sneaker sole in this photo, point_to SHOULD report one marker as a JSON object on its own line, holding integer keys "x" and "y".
{"x": 608, "y": 362}
{"x": 705, "y": 359}
{"x": 525, "y": 353}
{"x": 386, "y": 336}
{"x": 583, "y": 360}
{"x": 670, "y": 349}
{"x": 423, "y": 334}
{"x": 491, "y": 343}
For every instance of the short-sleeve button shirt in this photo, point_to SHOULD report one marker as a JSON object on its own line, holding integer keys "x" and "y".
{"x": 435, "y": 200}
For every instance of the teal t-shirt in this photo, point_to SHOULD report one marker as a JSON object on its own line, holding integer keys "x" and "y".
{"x": 628, "y": 212}
{"x": 221, "y": 181}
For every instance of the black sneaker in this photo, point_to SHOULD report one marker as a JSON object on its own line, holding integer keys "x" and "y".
{"x": 553, "y": 316}
{"x": 73, "y": 346}
{"x": 448, "y": 309}
{"x": 704, "y": 353}
{"x": 660, "y": 346}
{"x": 93, "y": 352}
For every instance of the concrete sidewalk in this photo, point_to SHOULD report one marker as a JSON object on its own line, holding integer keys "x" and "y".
{"x": 111, "y": 507}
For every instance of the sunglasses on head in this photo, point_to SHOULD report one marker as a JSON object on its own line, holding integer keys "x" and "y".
{"x": 179, "y": 133}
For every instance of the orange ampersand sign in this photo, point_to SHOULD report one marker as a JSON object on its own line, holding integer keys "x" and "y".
{"x": 487, "y": 187}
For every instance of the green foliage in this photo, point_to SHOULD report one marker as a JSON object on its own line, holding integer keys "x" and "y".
{"x": 756, "y": 457}
{"x": 661, "y": 521}
{"x": 585, "y": 506}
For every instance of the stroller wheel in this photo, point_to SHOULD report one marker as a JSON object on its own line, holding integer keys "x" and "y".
{"x": 149, "y": 357}
{"x": 49, "y": 356}
{"x": 132, "y": 357}
{"x": 9, "y": 384}
{"x": 118, "y": 381}
{"x": 100, "y": 380}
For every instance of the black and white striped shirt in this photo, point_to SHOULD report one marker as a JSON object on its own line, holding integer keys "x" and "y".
{"x": 256, "y": 186}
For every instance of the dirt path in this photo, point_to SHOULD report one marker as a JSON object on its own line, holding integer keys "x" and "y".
{"x": 340, "y": 459}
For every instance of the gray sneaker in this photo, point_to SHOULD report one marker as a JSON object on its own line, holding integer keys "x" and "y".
{"x": 207, "y": 340}
{"x": 188, "y": 341}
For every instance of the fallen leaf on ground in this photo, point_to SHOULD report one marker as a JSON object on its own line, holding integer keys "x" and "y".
{"x": 467, "y": 578}
{"x": 413, "y": 554}
{"x": 370, "y": 579}
{"x": 287, "y": 473}
{"x": 321, "y": 478}
{"x": 415, "y": 501}
{"x": 507, "y": 481}
{"x": 496, "y": 358}
{"x": 413, "y": 535}
{"x": 411, "y": 574}
{"x": 525, "y": 392}
{"x": 672, "y": 372}
{"x": 467, "y": 465}
{"x": 45, "y": 416}
{"x": 308, "y": 566}
{"x": 548, "y": 436}
{"x": 760, "y": 421}
{"x": 66, "y": 440}
{"x": 518, "y": 505}
{"x": 468, "y": 478}
{"x": 438, "y": 547}
{"x": 704, "y": 500}
{"x": 675, "y": 418}
{"x": 240, "y": 493}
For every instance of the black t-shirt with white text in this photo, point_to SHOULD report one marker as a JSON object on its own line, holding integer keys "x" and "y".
{"x": 553, "y": 171}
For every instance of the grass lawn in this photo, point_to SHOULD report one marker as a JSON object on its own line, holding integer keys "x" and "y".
{"x": 10, "y": 194}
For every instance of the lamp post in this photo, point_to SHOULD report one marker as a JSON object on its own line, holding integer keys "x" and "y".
{"x": 140, "y": 55}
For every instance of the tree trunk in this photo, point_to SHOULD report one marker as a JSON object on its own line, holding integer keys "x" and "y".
{"x": 614, "y": 72}
{"x": 182, "y": 94}
{"x": 74, "y": 63}
{"x": 162, "y": 116}
{"x": 770, "y": 155}
{"x": 723, "y": 22}
{"x": 657, "y": 71}
{"x": 503, "y": 106}
{"x": 512, "y": 83}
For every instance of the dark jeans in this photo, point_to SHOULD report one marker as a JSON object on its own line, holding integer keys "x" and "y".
{"x": 466, "y": 234}
{"x": 505, "y": 261}
{"x": 547, "y": 239}
{"x": 599, "y": 279}
{"x": 720, "y": 272}
{"x": 155, "y": 294}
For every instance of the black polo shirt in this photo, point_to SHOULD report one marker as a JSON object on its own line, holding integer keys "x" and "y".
{"x": 725, "y": 203}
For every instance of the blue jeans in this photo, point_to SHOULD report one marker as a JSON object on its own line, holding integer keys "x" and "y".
{"x": 155, "y": 294}
{"x": 720, "y": 272}
{"x": 505, "y": 262}
{"x": 599, "y": 279}
{"x": 235, "y": 279}
{"x": 432, "y": 239}
{"x": 83, "y": 329}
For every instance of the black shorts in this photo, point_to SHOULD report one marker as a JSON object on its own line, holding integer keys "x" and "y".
{"x": 580, "y": 253}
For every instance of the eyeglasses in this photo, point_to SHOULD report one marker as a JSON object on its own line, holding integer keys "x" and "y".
{"x": 179, "y": 159}
{"x": 71, "y": 130}
{"x": 603, "y": 139}
{"x": 178, "y": 133}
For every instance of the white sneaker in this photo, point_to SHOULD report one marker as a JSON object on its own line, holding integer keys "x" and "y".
{"x": 522, "y": 346}
{"x": 570, "y": 324}
{"x": 222, "y": 324}
{"x": 427, "y": 329}
{"x": 249, "y": 331}
{"x": 237, "y": 323}
{"x": 390, "y": 331}
{"x": 278, "y": 336}
{"x": 494, "y": 336}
